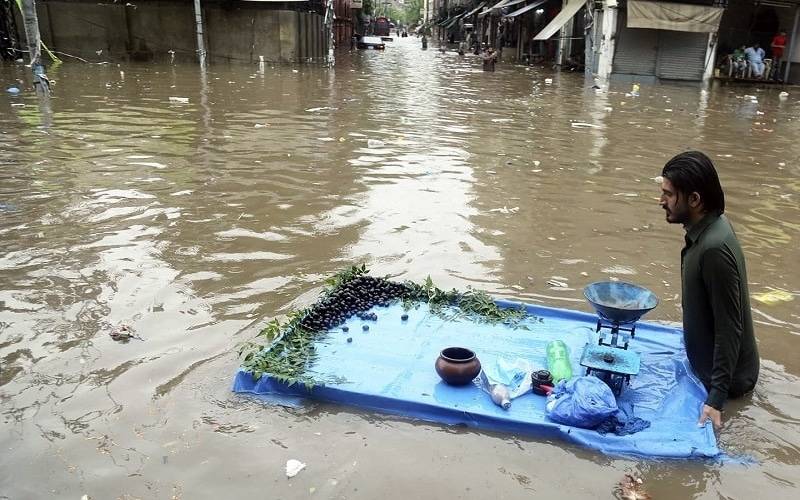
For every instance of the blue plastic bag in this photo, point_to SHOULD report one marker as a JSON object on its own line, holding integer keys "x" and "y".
{"x": 581, "y": 402}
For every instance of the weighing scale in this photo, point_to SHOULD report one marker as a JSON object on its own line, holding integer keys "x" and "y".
{"x": 619, "y": 306}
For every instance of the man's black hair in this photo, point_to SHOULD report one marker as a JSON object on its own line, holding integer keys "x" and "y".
{"x": 693, "y": 171}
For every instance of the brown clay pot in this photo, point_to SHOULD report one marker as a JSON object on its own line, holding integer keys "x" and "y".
{"x": 457, "y": 365}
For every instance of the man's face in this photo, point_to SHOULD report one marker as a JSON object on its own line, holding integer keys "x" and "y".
{"x": 674, "y": 204}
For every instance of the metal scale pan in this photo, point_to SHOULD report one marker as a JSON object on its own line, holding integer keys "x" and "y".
{"x": 619, "y": 306}
{"x": 619, "y": 302}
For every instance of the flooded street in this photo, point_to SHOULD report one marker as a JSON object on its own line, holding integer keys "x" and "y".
{"x": 196, "y": 222}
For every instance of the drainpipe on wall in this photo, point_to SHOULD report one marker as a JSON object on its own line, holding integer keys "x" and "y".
{"x": 201, "y": 46}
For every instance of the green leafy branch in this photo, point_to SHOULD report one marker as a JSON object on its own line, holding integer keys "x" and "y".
{"x": 285, "y": 350}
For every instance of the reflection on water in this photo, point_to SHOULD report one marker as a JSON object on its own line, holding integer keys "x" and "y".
{"x": 189, "y": 221}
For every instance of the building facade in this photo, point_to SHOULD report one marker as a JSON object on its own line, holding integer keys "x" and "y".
{"x": 242, "y": 31}
{"x": 650, "y": 41}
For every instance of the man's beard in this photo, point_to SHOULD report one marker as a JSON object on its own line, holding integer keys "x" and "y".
{"x": 679, "y": 216}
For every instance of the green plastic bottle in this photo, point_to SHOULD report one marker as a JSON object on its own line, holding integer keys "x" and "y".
{"x": 558, "y": 360}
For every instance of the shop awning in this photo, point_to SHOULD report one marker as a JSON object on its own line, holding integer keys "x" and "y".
{"x": 525, "y": 9}
{"x": 453, "y": 21}
{"x": 473, "y": 11}
{"x": 495, "y": 6}
{"x": 510, "y": 3}
{"x": 567, "y": 13}
{"x": 673, "y": 16}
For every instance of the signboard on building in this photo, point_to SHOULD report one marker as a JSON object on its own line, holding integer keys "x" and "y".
{"x": 356, "y": 4}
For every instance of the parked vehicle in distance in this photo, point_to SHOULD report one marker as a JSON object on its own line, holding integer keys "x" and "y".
{"x": 371, "y": 42}
{"x": 382, "y": 26}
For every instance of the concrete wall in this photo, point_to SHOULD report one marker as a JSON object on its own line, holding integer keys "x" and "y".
{"x": 159, "y": 30}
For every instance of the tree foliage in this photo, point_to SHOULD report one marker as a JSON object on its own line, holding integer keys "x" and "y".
{"x": 411, "y": 11}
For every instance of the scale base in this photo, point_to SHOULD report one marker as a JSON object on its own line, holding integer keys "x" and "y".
{"x": 614, "y": 381}
{"x": 612, "y": 365}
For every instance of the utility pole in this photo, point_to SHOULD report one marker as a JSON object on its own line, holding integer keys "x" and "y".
{"x": 201, "y": 46}
{"x": 31, "y": 22}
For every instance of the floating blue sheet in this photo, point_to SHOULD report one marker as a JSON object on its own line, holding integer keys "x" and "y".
{"x": 390, "y": 368}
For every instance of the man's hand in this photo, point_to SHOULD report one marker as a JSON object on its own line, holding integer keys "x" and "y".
{"x": 710, "y": 413}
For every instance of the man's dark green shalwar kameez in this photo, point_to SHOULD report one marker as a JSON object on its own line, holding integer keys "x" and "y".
{"x": 717, "y": 323}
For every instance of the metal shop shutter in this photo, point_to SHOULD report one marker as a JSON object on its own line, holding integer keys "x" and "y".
{"x": 636, "y": 50}
{"x": 681, "y": 55}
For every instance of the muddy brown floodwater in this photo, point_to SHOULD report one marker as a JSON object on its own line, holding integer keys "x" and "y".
{"x": 194, "y": 222}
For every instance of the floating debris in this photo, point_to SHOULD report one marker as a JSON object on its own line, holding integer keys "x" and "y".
{"x": 179, "y": 100}
{"x": 773, "y": 297}
{"x": 293, "y": 467}
{"x": 630, "y": 488}
{"x": 505, "y": 210}
{"x": 123, "y": 333}
{"x": 583, "y": 125}
{"x": 619, "y": 270}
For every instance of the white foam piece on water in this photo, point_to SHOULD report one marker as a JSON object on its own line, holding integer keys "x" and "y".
{"x": 619, "y": 270}
{"x": 293, "y": 467}
{"x": 583, "y": 125}
{"x": 153, "y": 164}
{"x": 247, "y": 256}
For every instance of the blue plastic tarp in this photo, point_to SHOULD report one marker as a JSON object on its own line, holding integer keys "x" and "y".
{"x": 390, "y": 368}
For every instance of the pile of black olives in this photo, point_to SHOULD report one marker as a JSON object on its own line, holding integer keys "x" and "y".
{"x": 354, "y": 297}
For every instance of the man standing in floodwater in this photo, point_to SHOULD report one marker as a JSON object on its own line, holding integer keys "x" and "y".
{"x": 489, "y": 59}
{"x": 717, "y": 322}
